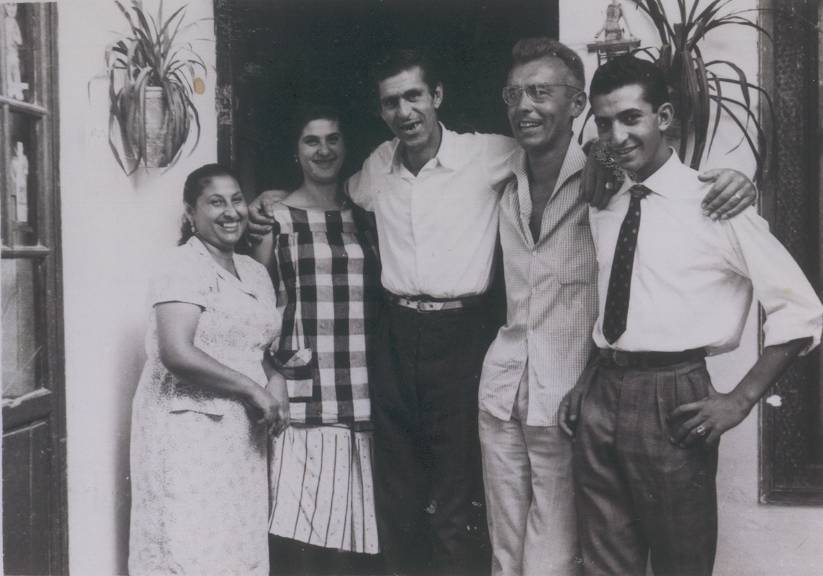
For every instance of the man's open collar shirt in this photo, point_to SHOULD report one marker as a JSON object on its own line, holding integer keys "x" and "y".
{"x": 551, "y": 296}
{"x": 437, "y": 229}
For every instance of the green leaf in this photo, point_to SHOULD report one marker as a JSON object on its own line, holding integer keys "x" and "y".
{"x": 742, "y": 81}
{"x": 719, "y": 92}
{"x": 701, "y": 114}
{"x": 754, "y": 148}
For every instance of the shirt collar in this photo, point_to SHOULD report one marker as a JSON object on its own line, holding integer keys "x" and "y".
{"x": 573, "y": 163}
{"x": 663, "y": 181}
{"x": 200, "y": 249}
{"x": 448, "y": 153}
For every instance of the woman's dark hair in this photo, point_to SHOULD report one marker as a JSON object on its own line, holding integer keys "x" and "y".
{"x": 196, "y": 182}
{"x": 308, "y": 113}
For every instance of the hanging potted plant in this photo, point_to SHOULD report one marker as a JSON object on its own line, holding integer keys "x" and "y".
{"x": 701, "y": 89}
{"x": 151, "y": 84}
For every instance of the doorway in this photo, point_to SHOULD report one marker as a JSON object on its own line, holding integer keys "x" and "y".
{"x": 273, "y": 55}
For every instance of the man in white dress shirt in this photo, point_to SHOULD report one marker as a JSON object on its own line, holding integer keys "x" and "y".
{"x": 673, "y": 287}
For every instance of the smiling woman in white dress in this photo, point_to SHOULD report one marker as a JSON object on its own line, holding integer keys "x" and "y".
{"x": 206, "y": 402}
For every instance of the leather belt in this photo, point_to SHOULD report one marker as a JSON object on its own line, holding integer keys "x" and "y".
{"x": 623, "y": 359}
{"x": 426, "y": 304}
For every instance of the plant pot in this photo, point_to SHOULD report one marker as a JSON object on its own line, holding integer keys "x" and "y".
{"x": 156, "y": 126}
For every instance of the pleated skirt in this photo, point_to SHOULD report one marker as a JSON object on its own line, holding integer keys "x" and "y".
{"x": 321, "y": 488}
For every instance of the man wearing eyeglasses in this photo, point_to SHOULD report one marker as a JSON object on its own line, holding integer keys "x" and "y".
{"x": 549, "y": 265}
{"x": 436, "y": 196}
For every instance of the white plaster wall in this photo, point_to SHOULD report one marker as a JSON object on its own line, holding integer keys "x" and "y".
{"x": 754, "y": 540}
{"x": 114, "y": 229}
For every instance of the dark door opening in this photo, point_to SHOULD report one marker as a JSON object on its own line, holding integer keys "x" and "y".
{"x": 273, "y": 55}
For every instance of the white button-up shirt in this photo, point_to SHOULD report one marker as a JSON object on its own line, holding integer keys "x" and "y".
{"x": 693, "y": 277}
{"x": 551, "y": 296}
{"x": 437, "y": 229}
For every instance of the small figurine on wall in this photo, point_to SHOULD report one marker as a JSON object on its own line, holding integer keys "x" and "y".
{"x": 612, "y": 29}
{"x": 617, "y": 38}
{"x": 13, "y": 42}
{"x": 20, "y": 177}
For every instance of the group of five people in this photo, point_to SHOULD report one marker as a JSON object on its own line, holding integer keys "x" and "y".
{"x": 385, "y": 375}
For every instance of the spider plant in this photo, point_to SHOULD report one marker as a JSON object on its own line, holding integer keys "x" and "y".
{"x": 700, "y": 89}
{"x": 147, "y": 59}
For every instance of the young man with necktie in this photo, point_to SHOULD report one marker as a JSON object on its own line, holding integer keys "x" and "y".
{"x": 673, "y": 287}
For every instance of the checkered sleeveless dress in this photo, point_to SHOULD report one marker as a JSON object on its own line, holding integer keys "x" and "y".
{"x": 326, "y": 275}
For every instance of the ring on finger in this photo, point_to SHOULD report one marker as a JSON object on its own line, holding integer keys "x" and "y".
{"x": 700, "y": 430}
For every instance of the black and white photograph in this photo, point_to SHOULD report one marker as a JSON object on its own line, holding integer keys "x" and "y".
{"x": 411, "y": 287}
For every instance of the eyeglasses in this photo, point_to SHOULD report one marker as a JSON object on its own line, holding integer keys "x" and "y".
{"x": 537, "y": 93}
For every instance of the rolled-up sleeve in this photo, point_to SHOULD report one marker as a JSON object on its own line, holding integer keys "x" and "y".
{"x": 792, "y": 307}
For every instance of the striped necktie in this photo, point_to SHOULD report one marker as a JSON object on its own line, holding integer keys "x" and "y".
{"x": 620, "y": 280}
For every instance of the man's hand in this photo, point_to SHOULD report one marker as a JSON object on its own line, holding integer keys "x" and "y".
{"x": 706, "y": 420}
{"x": 730, "y": 194}
{"x": 568, "y": 412}
{"x": 260, "y": 214}
{"x": 601, "y": 177}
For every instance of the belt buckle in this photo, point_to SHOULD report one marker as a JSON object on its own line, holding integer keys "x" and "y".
{"x": 424, "y": 306}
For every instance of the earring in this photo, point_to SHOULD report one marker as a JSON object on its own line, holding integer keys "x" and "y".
{"x": 296, "y": 159}
{"x": 192, "y": 226}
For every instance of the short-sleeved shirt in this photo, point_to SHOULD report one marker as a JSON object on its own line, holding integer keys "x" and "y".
{"x": 238, "y": 323}
{"x": 438, "y": 228}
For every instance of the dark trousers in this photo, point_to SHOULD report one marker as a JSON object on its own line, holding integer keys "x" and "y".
{"x": 292, "y": 558}
{"x": 428, "y": 479}
{"x": 637, "y": 493}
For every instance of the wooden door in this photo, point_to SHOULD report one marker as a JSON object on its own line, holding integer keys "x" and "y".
{"x": 34, "y": 509}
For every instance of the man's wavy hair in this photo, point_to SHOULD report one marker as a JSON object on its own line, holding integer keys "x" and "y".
{"x": 530, "y": 49}
{"x": 627, "y": 70}
{"x": 399, "y": 60}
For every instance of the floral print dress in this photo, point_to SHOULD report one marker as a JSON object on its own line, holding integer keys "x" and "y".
{"x": 198, "y": 462}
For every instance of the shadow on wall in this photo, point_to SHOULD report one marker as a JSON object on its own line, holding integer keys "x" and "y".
{"x": 132, "y": 357}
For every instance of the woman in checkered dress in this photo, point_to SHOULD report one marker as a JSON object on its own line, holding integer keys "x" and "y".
{"x": 325, "y": 272}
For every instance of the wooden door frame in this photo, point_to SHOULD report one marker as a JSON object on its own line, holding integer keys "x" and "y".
{"x": 791, "y": 64}
{"x": 50, "y": 319}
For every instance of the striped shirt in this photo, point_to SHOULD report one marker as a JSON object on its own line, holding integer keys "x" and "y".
{"x": 551, "y": 296}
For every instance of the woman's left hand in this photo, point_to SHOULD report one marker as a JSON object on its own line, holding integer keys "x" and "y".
{"x": 279, "y": 391}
